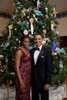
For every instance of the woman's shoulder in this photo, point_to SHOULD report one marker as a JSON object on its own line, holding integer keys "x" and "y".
{"x": 19, "y": 51}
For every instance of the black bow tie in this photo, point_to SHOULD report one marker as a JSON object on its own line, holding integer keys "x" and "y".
{"x": 37, "y": 49}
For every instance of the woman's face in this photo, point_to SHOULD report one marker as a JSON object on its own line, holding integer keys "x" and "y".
{"x": 26, "y": 42}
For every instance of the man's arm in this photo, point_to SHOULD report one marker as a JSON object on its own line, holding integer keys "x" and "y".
{"x": 48, "y": 70}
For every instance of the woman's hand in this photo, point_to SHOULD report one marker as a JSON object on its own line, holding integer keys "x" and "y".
{"x": 22, "y": 86}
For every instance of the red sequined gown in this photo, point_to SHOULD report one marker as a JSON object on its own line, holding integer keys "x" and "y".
{"x": 25, "y": 71}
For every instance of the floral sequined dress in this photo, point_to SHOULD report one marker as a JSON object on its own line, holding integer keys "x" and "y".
{"x": 25, "y": 71}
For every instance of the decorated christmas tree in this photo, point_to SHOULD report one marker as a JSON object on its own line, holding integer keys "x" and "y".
{"x": 31, "y": 17}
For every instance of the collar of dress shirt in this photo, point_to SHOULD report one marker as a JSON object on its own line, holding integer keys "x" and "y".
{"x": 40, "y": 47}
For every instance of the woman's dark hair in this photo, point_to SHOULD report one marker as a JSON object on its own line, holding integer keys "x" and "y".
{"x": 24, "y": 37}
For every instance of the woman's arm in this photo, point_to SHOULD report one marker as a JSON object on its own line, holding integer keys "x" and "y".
{"x": 17, "y": 64}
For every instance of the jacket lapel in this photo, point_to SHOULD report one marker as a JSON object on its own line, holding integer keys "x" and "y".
{"x": 33, "y": 55}
{"x": 40, "y": 54}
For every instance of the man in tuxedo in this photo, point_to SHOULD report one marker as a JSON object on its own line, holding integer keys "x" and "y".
{"x": 41, "y": 68}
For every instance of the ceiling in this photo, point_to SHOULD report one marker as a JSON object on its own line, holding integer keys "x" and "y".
{"x": 7, "y": 5}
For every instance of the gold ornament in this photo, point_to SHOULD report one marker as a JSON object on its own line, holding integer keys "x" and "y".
{"x": 10, "y": 27}
{"x": 55, "y": 24}
{"x": 55, "y": 12}
{"x": 24, "y": 10}
{"x": 44, "y": 31}
{"x": 27, "y": 22}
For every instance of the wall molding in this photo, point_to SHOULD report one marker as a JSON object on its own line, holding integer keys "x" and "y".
{"x": 62, "y": 14}
{"x": 5, "y": 15}
{"x": 59, "y": 15}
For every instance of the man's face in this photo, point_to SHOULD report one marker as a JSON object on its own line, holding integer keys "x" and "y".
{"x": 38, "y": 40}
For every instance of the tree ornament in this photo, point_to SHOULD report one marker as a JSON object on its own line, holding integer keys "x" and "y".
{"x": 24, "y": 10}
{"x": 19, "y": 42}
{"x": 1, "y": 56}
{"x": 38, "y": 4}
{"x": 26, "y": 1}
{"x": 30, "y": 47}
{"x": 15, "y": 29}
{"x": 43, "y": 26}
{"x": 30, "y": 10}
{"x": 9, "y": 35}
{"x": 54, "y": 12}
{"x": 52, "y": 25}
{"x": 47, "y": 41}
{"x": 2, "y": 70}
{"x": 27, "y": 23}
{"x": 46, "y": 9}
{"x": 16, "y": 39}
{"x": 6, "y": 60}
{"x": 17, "y": 11}
{"x": 56, "y": 32}
{"x": 25, "y": 32}
{"x": 38, "y": 13}
{"x": 29, "y": 30}
{"x": 32, "y": 29}
{"x": 61, "y": 64}
{"x": 31, "y": 36}
{"x": 46, "y": 17}
{"x": 44, "y": 42}
{"x": 6, "y": 45}
{"x": 19, "y": 7}
{"x": 28, "y": 17}
{"x": 54, "y": 53}
{"x": 44, "y": 31}
{"x": 55, "y": 24}
{"x": 58, "y": 52}
{"x": 61, "y": 50}
{"x": 31, "y": 20}
{"x": 35, "y": 17}
{"x": 15, "y": 47}
{"x": 10, "y": 27}
{"x": 14, "y": 16}
{"x": 51, "y": 15}
{"x": 2, "y": 45}
{"x": 19, "y": 22}
{"x": 54, "y": 45}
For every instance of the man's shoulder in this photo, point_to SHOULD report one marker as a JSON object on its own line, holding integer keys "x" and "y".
{"x": 46, "y": 48}
{"x": 32, "y": 50}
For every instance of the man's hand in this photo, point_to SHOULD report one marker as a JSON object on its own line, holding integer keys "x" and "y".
{"x": 46, "y": 86}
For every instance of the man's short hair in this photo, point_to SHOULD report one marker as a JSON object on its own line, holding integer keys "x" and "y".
{"x": 38, "y": 34}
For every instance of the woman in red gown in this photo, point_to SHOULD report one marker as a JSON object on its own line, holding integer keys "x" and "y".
{"x": 23, "y": 70}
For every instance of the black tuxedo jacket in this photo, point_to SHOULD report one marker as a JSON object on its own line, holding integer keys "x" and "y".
{"x": 41, "y": 72}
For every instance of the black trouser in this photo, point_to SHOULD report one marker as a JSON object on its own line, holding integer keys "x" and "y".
{"x": 36, "y": 91}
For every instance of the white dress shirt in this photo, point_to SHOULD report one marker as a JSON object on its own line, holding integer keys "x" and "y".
{"x": 36, "y": 54}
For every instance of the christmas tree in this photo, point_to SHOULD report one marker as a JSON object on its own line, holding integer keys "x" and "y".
{"x": 32, "y": 17}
